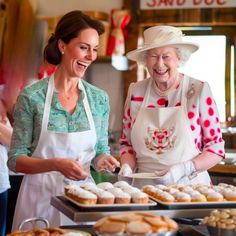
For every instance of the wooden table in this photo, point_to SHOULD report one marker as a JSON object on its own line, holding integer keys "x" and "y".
{"x": 223, "y": 169}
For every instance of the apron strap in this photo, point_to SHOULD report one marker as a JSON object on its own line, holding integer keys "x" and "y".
{"x": 147, "y": 93}
{"x": 48, "y": 102}
{"x": 87, "y": 107}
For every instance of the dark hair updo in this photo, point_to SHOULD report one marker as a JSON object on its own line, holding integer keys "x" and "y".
{"x": 68, "y": 28}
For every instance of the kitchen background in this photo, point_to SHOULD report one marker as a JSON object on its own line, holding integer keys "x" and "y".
{"x": 26, "y": 24}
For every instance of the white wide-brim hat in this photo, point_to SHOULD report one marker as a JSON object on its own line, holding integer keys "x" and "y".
{"x": 161, "y": 36}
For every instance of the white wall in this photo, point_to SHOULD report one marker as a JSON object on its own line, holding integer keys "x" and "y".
{"x": 58, "y": 7}
{"x": 106, "y": 77}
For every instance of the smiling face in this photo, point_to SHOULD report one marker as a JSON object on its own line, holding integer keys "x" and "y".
{"x": 162, "y": 65}
{"x": 79, "y": 53}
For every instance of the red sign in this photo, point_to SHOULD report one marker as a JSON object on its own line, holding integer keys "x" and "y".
{"x": 170, "y": 4}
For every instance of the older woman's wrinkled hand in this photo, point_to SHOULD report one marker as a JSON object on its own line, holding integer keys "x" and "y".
{"x": 125, "y": 170}
{"x": 178, "y": 173}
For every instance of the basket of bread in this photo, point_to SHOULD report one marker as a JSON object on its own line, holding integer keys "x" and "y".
{"x": 221, "y": 222}
{"x": 136, "y": 223}
{"x": 40, "y": 227}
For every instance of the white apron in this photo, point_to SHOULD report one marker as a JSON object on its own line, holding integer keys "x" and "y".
{"x": 161, "y": 137}
{"x": 37, "y": 189}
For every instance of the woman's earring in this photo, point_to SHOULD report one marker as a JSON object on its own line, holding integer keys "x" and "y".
{"x": 62, "y": 52}
{"x": 191, "y": 91}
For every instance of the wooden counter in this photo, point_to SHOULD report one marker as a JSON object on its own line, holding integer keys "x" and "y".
{"x": 223, "y": 169}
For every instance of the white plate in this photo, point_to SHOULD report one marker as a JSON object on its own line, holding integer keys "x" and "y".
{"x": 136, "y": 205}
{"x": 75, "y": 232}
{"x": 144, "y": 176}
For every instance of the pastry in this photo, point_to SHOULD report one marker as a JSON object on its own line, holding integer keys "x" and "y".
{"x": 230, "y": 195}
{"x": 166, "y": 197}
{"x": 131, "y": 190}
{"x": 182, "y": 197}
{"x": 214, "y": 197}
{"x": 122, "y": 198}
{"x": 161, "y": 186}
{"x": 139, "y": 197}
{"x": 105, "y": 197}
{"x": 112, "y": 227}
{"x": 134, "y": 223}
{"x": 105, "y": 185}
{"x": 115, "y": 190}
{"x": 223, "y": 219}
{"x": 158, "y": 223}
{"x": 88, "y": 186}
{"x": 149, "y": 189}
{"x": 138, "y": 228}
{"x": 197, "y": 197}
{"x": 121, "y": 184}
{"x": 81, "y": 196}
{"x": 52, "y": 231}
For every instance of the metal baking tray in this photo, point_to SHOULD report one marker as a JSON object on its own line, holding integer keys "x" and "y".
{"x": 135, "y": 206}
{"x": 191, "y": 205}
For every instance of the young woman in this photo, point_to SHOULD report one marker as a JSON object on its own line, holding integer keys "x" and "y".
{"x": 61, "y": 122}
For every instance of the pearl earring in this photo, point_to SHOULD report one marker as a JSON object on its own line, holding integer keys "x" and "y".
{"x": 62, "y": 52}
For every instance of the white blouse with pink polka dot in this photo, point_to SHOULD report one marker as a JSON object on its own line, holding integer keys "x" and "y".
{"x": 201, "y": 107}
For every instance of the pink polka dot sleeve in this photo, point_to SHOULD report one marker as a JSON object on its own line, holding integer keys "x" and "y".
{"x": 209, "y": 121}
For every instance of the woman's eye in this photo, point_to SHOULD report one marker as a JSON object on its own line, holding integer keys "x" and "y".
{"x": 84, "y": 47}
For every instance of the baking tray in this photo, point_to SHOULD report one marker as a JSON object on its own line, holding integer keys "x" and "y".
{"x": 191, "y": 205}
{"x": 115, "y": 205}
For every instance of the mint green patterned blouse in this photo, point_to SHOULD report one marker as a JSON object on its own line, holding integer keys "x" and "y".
{"x": 28, "y": 114}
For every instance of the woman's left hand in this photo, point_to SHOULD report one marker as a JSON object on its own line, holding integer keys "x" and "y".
{"x": 106, "y": 163}
{"x": 177, "y": 173}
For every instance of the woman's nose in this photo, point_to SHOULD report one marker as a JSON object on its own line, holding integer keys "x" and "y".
{"x": 91, "y": 55}
{"x": 159, "y": 61}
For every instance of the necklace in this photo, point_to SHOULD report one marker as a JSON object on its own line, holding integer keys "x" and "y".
{"x": 165, "y": 93}
{"x": 69, "y": 96}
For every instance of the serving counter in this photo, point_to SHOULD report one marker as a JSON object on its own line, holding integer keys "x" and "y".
{"x": 83, "y": 215}
{"x": 188, "y": 219}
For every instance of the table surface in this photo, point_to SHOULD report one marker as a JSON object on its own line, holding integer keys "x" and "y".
{"x": 85, "y": 217}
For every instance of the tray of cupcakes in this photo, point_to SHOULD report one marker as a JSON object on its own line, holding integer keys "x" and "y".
{"x": 188, "y": 196}
{"x": 106, "y": 194}
{"x": 136, "y": 223}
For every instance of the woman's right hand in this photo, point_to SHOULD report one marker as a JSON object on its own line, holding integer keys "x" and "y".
{"x": 71, "y": 169}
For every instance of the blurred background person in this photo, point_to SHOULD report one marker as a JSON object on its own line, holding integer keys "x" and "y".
{"x": 5, "y": 139}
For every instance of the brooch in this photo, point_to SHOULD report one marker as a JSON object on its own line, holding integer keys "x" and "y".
{"x": 191, "y": 91}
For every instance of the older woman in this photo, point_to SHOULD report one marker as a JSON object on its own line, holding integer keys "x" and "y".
{"x": 60, "y": 122}
{"x": 171, "y": 122}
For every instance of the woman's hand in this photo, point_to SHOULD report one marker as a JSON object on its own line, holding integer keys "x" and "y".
{"x": 106, "y": 163}
{"x": 177, "y": 173}
{"x": 71, "y": 169}
{"x": 125, "y": 170}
